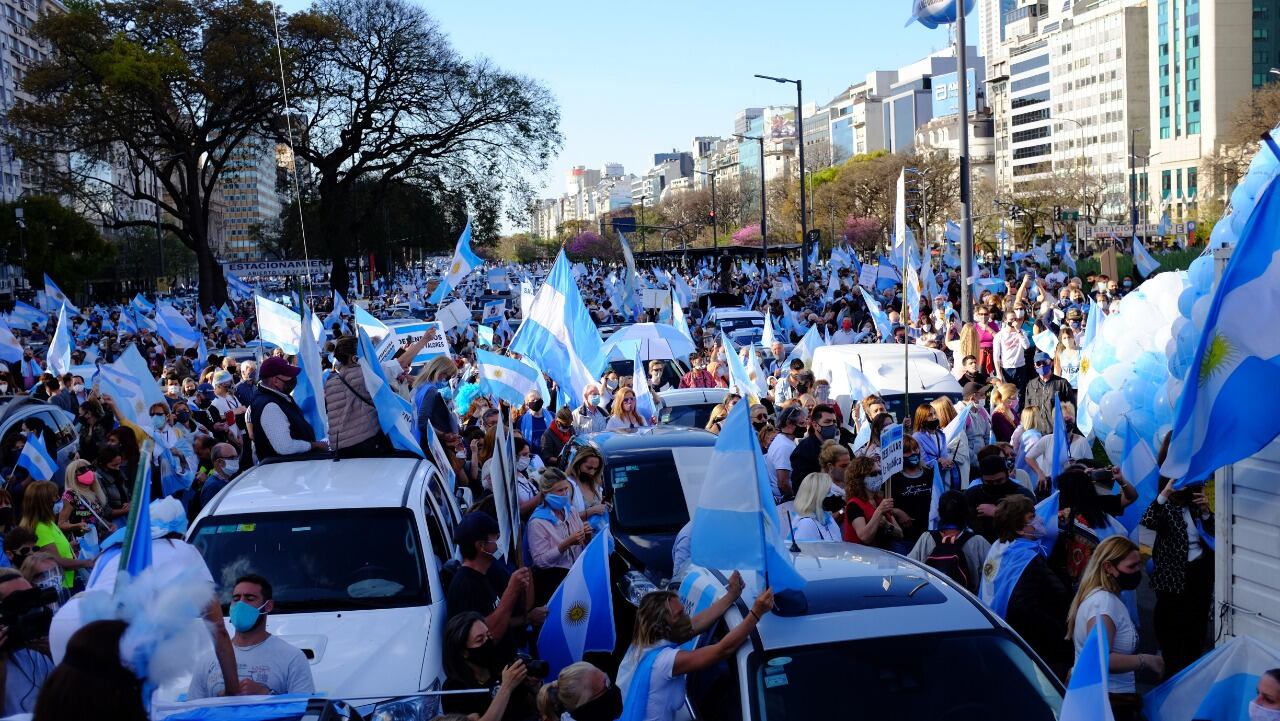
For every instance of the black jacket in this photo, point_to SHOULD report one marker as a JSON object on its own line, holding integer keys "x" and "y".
{"x": 1169, "y": 552}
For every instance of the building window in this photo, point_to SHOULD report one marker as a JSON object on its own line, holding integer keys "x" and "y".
{"x": 1031, "y": 151}
{"x": 1166, "y": 184}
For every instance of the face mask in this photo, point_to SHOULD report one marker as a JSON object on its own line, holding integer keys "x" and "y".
{"x": 49, "y": 579}
{"x": 485, "y": 655}
{"x": 173, "y": 390}
{"x": 611, "y": 385}
{"x": 1258, "y": 713}
{"x": 557, "y": 503}
{"x": 292, "y": 383}
{"x": 4, "y": 387}
{"x": 830, "y": 433}
{"x": 231, "y": 466}
{"x": 1044, "y": 371}
{"x": 913, "y": 459}
{"x": 605, "y": 707}
{"x": 522, "y": 464}
{"x": 6, "y": 517}
{"x": 535, "y": 406}
{"x": 78, "y": 387}
{"x": 1129, "y": 581}
{"x": 593, "y": 399}
{"x": 183, "y": 416}
{"x": 245, "y": 616}
{"x": 158, "y": 422}
{"x": 85, "y": 479}
{"x": 1034, "y": 530}
{"x": 1127, "y": 284}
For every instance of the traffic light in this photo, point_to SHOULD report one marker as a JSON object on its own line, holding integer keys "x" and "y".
{"x": 1057, "y": 212}
{"x": 711, "y": 218}
{"x": 1013, "y": 212}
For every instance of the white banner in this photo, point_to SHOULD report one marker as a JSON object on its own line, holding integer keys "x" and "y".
{"x": 891, "y": 451}
{"x": 280, "y": 267}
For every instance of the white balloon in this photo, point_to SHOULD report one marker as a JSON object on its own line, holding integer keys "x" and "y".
{"x": 1200, "y": 311}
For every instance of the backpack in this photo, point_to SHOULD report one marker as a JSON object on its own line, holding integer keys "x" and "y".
{"x": 947, "y": 557}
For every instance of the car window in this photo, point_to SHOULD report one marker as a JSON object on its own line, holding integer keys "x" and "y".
{"x": 444, "y": 502}
{"x": 691, "y": 416}
{"x": 907, "y": 678}
{"x": 642, "y": 489}
{"x": 320, "y": 560}
{"x": 714, "y": 693}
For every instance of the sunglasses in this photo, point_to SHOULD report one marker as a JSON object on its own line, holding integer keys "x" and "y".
{"x": 23, "y": 551}
{"x": 1042, "y": 364}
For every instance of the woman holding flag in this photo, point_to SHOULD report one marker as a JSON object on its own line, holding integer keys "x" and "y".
{"x": 556, "y": 534}
{"x": 1116, "y": 566}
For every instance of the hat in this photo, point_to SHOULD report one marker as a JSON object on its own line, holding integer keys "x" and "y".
{"x": 973, "y": 387}
{"x": 993, "y": 465}
{"x": 277, "y": 366}
{"x": 474, "y": 528}
{"x": 1074, "y": 314}
{"x": 221, "y": 377}
{"x": 1042, "y": 356}
{"x": 207, "y": 388}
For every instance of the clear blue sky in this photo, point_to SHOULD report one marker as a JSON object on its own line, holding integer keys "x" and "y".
{"x": 633, "y": 79}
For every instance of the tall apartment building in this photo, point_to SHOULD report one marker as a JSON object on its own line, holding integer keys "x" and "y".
{"x": 18, "y": 50}
{"x": 1206, "y": 58}
{"x": 251, "y": 201}
{"x": 1069, "y": 89}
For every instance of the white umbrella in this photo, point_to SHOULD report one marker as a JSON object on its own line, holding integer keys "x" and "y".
{"x": 657, "y": 342}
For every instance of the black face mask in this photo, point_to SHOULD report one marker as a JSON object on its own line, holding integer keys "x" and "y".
{"x": 605, "y": 707}
{"x": 536, "y": 406}
{"x": 930, "y": 425}
{"x": 485, "y": 655}
{"x": 681, "y": 630}
{"x": 1129, "y": 581}
{"x": 6, "y": 517}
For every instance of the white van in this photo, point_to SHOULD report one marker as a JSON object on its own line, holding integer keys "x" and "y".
{"x": 895, "y": 371}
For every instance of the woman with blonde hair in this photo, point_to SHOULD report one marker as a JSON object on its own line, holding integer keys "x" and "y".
{"x": 833, "y": 459}
{"x": 811, "y": 521}
{"x": 718, "y": 414}
{"x": 37, "y": 517}
{"x": 863, "y": 518}
{"x": 1004, "y": 411}
{"x": 84, "y": 503}
{"x": 582, "y": 691}
{"x": 624, "y": 413}
{"x": 959, "y": 449}
{"x": 431, "y": 394}
{"x": 588, "y": 491}
{"x": 1115, "y": 566}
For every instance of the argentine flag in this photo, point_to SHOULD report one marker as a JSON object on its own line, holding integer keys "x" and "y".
{"x": 805, "y": 348}
{"x": 935, "y": 495}
{"x": 1217, "y": 687}
{"x": 36, "y": 459}
{"x": 1237, "y": 361}
{"x": 645, "y": 405}
{"x": 281, "y": 326}
{"x": 10, "y": 348}
{"x": 630, "y": 280}
{"x": 309, "y": 393}
{"x": 464, "y": 261}
{"x": 142, "y": 304}
{"x": 1008, "y": 559}
{"x": 736, "y": 523}
{"x": 1142, "y": 259}
{"x": 175, "y": 329}
{"x": 130, "y": 384}
{"x": 395, "y": 414}
{"x": 558, "y": 333}
{"x": 1060, "y": 451}
{"x": 1086, "y": 698}
{"x": 136, "y": 555}
{"x": 506, "y": 378}
{"x": 880, "y": 318}
{"x": 59, "y": 355}
{"x": 739, "y": 378}
{"x": 55, "y": 298}
{"x": 580, "y": 613}
{"x": 236, "y": 286}
{"x": 24, "y": 314}
{"x": 1139, "y": 467}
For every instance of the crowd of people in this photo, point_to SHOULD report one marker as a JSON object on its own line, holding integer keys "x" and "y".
{"x": 823, "y": 458}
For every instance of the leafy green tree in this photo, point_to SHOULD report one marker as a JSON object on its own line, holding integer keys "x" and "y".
{"x": 53, "y": 239}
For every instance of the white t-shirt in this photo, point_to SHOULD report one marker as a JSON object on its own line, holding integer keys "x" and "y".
{"x": 276, "y": 664}
{"x": 779, "y": 455}
{"x": 1102, "y": 603}
{"x": 666, "y": 693}
{"x": 808, "y": 529}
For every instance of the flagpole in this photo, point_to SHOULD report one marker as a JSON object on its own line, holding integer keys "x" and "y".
{"x": 141, "y": 495}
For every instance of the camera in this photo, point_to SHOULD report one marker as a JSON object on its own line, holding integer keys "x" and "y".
{"x": 833, "y": 504}
{"x": 1102, "y": 477}
{"x": 536, "y": 667}
{"x": 26, "y": 616}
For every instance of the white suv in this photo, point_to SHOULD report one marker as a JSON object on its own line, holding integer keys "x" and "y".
{"x": 353, "y": 549}
{"x": 874, "y": 635}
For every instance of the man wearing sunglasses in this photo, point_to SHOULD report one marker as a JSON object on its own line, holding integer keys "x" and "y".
{"x": 1045, "y": 387}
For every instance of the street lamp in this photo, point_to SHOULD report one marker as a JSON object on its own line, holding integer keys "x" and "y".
{"x": 804, "y": 213}
{"x": 714, "y": 218}
{"x": 1133, "y": 181}
{"x": 764, "y": 238}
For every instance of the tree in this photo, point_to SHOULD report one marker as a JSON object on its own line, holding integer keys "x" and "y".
{"x": 164, "y": 91}
{"x": 524, "y": 248}
{"x": 862, "y": 233}
{"x": 748, "y": 237}
{"x": 383, "y": 96}
{"x": 1222, "y": 169}
{"x": 55, "y": 240}
{"x": 589, "y": 244}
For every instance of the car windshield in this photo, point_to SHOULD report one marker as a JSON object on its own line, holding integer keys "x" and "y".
{"x": 647, "y": 495}
{"x": 332, "y": 560}
{"x": 729, "y": 325}
{"x": 972, "y": 676}
{"x": 894, "y": 402}
{"x": 691, "y": 416}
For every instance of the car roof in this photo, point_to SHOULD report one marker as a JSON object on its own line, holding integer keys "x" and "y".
{"x": 653, "y": 438}
{"x": 855, "y": 592}
{"x": 693, "y": 396}
{"x": 319, "y": 484}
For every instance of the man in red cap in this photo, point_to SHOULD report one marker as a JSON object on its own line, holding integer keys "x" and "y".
{"x": 276, "y": 424}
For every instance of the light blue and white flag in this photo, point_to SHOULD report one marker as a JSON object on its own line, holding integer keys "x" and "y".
{"x": 939, "y": 488}
{"x": 58, "y": 357}
{"x": 880, "y": 318}
{"x": 1237, "y": 363}
{"x": 1047, "y": 516}
{"x": 1060, "y": 450}
{"x": 309, "y": 392}
{"x": 1142, "y": 259}
{"x": 1217, "y": 687}
{"x": 55, "y": 298}
{"x": 24, "y": 314}
{"x": 1139, "y": 468}
{"x": 138, "y": 556}
{"x": 130, "y": 384}
{"x": 911, "y": 288}
{"x": 803, "y": 350}
{"x": 10, "y": 348}
{"x": 755, "y": 372}
{"x": 395, "y": 413}
{"x": 559, "y": 334}
{"x": 464, "y": 261}
{"x": 236, "y": 286}
{"x": 646, "y": 406}
{"x": 768, "y": 338}
{"x": 735, "y": 525}
{"x": 1046, "y": 342}
{"x": 631, "y": 305}
{"x": 506, "y": 378}
{"x": 1067, "y": 259}
{"x": 1003, "y": 569}
{"x": 281, "y": 326}
{"x": 580, "y": 612}
{"x": 340, "y": 308}
{"x": 35, "y": 457}
{"x": 739, "y": 378}
{"x": 680, "y": 324}
{"x": 1086, "y": 698}
{"x": 174, "y": 329}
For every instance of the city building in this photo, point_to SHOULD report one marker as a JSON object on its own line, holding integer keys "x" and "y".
{"x": 247, "y": 189}
{"x": 590, "y": 194}
{"x": 1068, "y": 91}
{"x": 18, "y": 50}
{"x": 1206, "y": 58}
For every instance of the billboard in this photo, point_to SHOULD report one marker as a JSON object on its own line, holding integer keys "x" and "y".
{"x": 946, "y": 93}
{"x": 780, "y": 124}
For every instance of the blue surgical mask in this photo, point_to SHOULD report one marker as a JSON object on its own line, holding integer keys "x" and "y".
{"x": 913, "y": 459}
{"x": 159, "y": 422}
{"x": 557, "y": 503}
{"x": 245, "y": 616}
